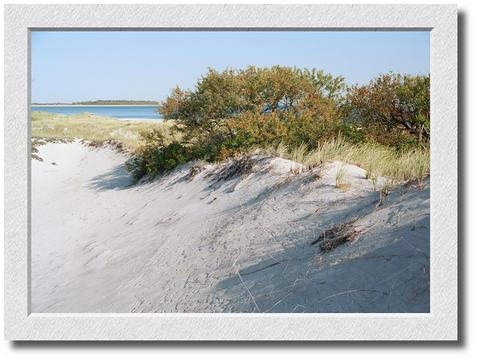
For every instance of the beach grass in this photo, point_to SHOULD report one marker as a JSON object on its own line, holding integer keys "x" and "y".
{"x": 378, "y": 160}
{"x": 87, "y": 126}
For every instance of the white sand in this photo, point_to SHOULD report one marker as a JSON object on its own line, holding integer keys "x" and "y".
{"x": 236, "y": 245}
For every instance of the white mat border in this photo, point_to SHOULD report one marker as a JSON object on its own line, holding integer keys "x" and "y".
{"x": 440, "y": 324}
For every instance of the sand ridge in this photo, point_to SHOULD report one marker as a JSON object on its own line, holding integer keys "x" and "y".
{"x": 222, "y": 238}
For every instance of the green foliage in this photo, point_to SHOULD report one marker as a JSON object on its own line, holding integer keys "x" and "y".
{"x": 265, "y": 98}
{"x": 391, "y": 109}
{"x": 325, "y": 84}
{"x": 230, "y": 111}
{"x": 157, "y": 155}
{"x": 414, "y": 100}
{"x": 308, "y": 112}
{"x": 306, "y": 115}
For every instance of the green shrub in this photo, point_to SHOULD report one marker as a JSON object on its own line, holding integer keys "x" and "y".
{"x": 151, "y": 161}
{"x": 310, "y": 115}
{"x": 157, "y": 154}
{"x": 264, "y": 98}
{"x": 392, "y": 109}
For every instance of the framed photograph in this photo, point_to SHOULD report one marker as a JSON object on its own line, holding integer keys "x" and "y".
{"x": 231, "y": 172}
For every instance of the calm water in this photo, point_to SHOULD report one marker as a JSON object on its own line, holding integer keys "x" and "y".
{"x": 120, "y": 112}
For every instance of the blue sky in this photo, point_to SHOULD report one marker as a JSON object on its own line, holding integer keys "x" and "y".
{"x": 75, "y": 66}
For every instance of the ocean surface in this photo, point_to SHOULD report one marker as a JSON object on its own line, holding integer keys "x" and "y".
{"x": 121, "y": 112}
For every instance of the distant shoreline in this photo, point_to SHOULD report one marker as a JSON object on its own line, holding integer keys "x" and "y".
{"x": 101, "y": 116}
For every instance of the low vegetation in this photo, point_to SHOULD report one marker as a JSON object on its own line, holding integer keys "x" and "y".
{"x": 96, "y": 128}
{"x": 304, "y": 115}
{"x": 378, "y": 160}
{"x": 340, "y": 177}
{"x": 35, "y": 143}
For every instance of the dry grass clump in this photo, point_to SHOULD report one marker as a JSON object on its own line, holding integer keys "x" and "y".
{"x": 35, "y": 143}
{"x": 195, "y": 169}
{"x": 281, "y": 150}
{"x": 336, "y": 235}
{"x": 384, "y": 192}
{"x": 299, "y": 154}
{"x": 96, "y": 128}
{"x": 340, "y": 177}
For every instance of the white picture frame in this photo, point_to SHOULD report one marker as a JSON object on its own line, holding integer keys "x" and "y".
{"x": 442, "y": 321}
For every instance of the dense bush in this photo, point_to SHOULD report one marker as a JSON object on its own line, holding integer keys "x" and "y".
{"x": 231, "y": 111}
{"x": 156, "y": 155}
{"x": 268, "y": 96}
{"x": 391, "y": 109}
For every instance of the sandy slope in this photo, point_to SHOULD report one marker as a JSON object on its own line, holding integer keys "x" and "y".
{"x": 215, "y": 242}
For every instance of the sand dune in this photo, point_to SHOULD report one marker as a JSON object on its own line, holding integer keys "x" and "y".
{"x": 257, "y": 235}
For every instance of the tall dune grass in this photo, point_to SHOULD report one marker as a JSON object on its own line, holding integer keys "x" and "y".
{"x": 377, "y": 160}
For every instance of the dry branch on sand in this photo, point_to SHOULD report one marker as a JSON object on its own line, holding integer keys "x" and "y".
{"x": 337, "y": 235}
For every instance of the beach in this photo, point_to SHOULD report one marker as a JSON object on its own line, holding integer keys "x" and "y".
{"x": 261, "y": 234}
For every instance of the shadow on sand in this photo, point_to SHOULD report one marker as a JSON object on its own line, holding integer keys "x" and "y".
{"x": 116, "y": 179}
{"x": 382, "y": 271}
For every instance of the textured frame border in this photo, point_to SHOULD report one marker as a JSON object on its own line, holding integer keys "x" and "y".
{"x": 440, "y": 324}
